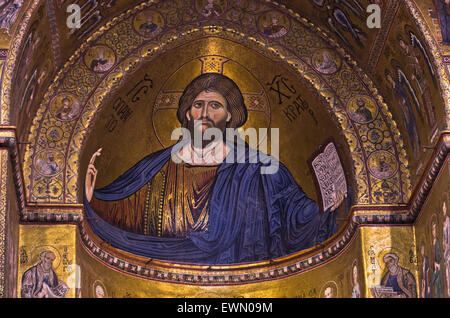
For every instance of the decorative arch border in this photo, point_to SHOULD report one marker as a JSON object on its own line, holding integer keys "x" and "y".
{"x": 76, "y": 78}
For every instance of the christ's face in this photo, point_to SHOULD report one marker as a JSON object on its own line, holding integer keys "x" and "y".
{"x": 328, "y": 292}
{"x": 210, "y": 110}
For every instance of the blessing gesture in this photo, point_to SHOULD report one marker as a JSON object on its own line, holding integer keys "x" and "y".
{"x": 91, "y": 176}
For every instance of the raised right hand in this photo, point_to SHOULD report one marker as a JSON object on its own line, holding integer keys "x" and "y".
{"x": 91, "y": 176}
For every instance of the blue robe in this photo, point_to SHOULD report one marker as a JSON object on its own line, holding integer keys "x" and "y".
{"x": 252, "y": 216}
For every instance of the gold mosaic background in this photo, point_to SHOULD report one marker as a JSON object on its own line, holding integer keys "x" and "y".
{"x": 30, "y": 81}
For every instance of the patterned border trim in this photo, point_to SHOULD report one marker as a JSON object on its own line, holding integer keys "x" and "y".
{"x": 3, "y": 53}
{"x": 439, "y": 158}
{"x": 50, "y": 217}
{"x": 10, "y": 143}
{"x": 296, "y": 264}
{"x": 3, "y": 212}
{"x": 378, "y": 46}
{"x": 54, "y": 32}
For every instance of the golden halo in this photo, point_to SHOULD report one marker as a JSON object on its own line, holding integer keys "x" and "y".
{"x": 102, "y": 285}
{"x": 164, "y": 119}
{"x": 331, "y": 284}
{"x": 385, "y": 251}
{"x": 37, "y": 250}
{"x": 434, "y": 219}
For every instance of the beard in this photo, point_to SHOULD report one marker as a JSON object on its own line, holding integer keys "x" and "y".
{"x": 203, "y": 124}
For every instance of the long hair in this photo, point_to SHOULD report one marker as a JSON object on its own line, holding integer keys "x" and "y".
{"x": 214, "y": 82}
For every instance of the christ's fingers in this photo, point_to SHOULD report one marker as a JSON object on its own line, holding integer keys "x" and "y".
{"x": 95, "y": 155}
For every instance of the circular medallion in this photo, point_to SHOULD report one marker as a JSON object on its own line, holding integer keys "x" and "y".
{"x": 273, "y": 24}
{"x": 100, "y": 58}
{"x": 148, "y": 23}
{"x": 362, "y": 109}
{"x": 326, "y": 61}
{"x": 49, "y": 162}
{"x": 65, "y": 107}
{"x": 382, "y": 164}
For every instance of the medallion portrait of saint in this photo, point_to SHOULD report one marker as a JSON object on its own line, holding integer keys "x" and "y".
{"x": 215, "y": 201}
{"x": 362, "y": 109}
{"x": 65, "y": 108}
{"x": 100, "y": 59}
{"x": 273, "y": 25}
{"x": 326, "y": 61}
{"x": 49, "y": 162}
{"x": 148, "y": 23}
{"x": 382, "y": 164}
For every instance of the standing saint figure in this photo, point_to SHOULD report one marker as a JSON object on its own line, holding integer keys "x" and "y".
{"x": 356, "y": 291}
{"x": 437, "y": 277}
{"x": 446, "y": 244}
{"x": 419, "y": 76}
{"x": 443, "y": 10}
{"x": 207, "y": 201}
{"x": 409, "y": 119}
{"x": 425, "y": 285}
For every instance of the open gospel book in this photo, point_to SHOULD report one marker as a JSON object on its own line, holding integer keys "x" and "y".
{"x": 330, "y": 175}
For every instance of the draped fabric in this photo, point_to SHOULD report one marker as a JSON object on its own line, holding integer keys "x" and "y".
{"x": 252, "y": 216}
{"x": 173, "y": 203}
